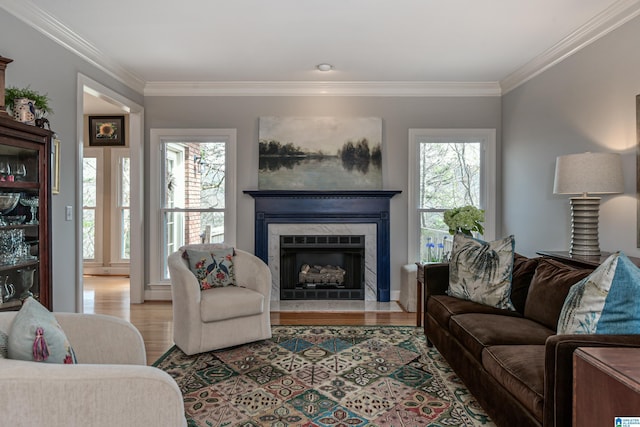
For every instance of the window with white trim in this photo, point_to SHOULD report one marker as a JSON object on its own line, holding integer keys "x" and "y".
{"x": 194, "y": 189}
{"x": 449, "y": 168}
{"x": 92, "y": 223}
{"x": 120, "y": 206}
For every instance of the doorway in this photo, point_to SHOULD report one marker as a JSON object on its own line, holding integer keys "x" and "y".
{"x": 120, "y": 211}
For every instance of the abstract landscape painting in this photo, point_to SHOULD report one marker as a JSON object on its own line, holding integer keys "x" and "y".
{"x": 320, "y": 153}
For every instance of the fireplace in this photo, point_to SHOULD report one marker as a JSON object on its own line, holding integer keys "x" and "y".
{"x": 322, "y": 267}
{"x": 301, "y": 212}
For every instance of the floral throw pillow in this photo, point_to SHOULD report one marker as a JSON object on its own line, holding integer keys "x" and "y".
{"x": 36, "y": 335}
{"x": 605, "y": 302}
{"x": 481, "y": 271}
{"x": 213, "y": 269}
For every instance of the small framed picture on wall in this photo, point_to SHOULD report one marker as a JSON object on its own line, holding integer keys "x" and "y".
{"x": 106, "y": 131}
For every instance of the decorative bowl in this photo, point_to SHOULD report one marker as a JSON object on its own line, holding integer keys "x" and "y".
{"x": 8, "y": 201}
{"x": 15, "y": 219}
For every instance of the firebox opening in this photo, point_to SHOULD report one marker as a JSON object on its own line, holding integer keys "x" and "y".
{"x": 322, "y": 267}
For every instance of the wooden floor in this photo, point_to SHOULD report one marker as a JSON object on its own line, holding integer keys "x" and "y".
{"x": 110, "y": 295}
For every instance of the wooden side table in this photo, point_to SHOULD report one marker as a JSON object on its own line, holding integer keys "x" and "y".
{"x": 606, "y": 385}
{"x": 419, "y": 288}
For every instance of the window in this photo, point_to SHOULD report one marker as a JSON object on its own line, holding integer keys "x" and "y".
{"x": 92, "y": 206}
{"x": 121, "y": 211}
{"x": 449, "y": 168}
{"x": 196, "y": 191}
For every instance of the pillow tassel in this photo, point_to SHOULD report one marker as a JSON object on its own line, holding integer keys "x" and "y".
{"x": 40, "y": 349}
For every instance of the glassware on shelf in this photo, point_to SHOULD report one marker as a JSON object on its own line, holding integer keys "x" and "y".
{"x": 12, "y": 246}
{"x": 19, "y": 171}
{"x": 5, "y": 170}
{"x": 8, "y": 201}
{"x": 7, "y": 290}
{"x": 25, "y": 282}
{"x": 32, "y": 203}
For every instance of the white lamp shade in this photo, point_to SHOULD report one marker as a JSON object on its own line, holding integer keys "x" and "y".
{"x": 594, "y": 173}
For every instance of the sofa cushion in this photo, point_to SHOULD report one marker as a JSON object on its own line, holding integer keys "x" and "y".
{"x": 520, "y": 370}
{"x": 36, "y": 335}
{"x": 549, "y": 288}
{"x": 229, "y": 302}
{"x": 442, "y": 307}
{"x": 480, "y": 271}
{"x": 523, "y": 270}
{"x": 213, "y": 269}
{"x": 478, "y": 330}
{"x": 605, "y": 302}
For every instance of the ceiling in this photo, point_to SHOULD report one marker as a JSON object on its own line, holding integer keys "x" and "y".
{"x": 168, "y": 47}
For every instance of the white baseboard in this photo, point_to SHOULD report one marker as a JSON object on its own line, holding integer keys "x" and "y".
{"x": 394, "y": 295}
{"x": 106, "y": 271}
{"x": 157, "y": 293}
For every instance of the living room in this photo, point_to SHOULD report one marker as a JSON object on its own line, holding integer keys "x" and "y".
{"x": 578, "y": 96}
{"x": 584, "y": 102}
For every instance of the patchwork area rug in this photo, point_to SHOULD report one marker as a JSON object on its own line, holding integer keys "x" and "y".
{"x": 324, "y": 376}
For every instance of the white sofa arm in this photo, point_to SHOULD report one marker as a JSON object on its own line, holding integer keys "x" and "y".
{"x": 96, "y": 338}
{"x": 102, "y": 339}
{"x": 33, "y": 394}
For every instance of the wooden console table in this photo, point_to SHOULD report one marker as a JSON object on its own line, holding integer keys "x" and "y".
{"x": 606, "y": 385}
{"x": 581, "y": 260}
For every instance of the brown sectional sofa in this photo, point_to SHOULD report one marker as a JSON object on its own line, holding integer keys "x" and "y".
{"x": 513, "y": 362}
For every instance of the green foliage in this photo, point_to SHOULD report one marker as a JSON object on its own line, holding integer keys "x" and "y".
{"x": 41, "y": 102}
{"x": 465, "y": 219}
{"x": 275, "y": 148}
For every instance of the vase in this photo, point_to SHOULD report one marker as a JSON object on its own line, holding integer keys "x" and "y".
{"x": 24, "y": 111}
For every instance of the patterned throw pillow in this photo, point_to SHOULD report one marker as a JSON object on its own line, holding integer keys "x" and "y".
{"x": 3, "y": 345}
{"x": 605, "y": 302}
{"x": 35, "y": 335}
{"x": 480, "y": 271}
{"x": 213, "y": 269}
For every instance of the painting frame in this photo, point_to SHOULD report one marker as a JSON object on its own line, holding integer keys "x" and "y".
{"x": 638, "y": 171}
{"x": 55, "y": 166}
{"x": 106, "y": 131}
{"x": 320, "y": 153}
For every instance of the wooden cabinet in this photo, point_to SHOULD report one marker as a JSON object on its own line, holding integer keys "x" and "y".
{"x": 606, "y": 386}
{"x": 25, "y": 222}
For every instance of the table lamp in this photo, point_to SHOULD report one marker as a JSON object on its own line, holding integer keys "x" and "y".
{"x": 584, "y": 174}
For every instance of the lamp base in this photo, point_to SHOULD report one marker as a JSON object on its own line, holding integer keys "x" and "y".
{"x": 584, "y": 226}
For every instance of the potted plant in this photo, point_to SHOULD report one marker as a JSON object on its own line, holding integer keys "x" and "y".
{"x": 465, "y": 220}
{"x": 22, "y": 112}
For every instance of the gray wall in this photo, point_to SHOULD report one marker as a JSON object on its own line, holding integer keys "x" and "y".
{"x": 49, "y": 68}
{"x": 398, "y": 116}
{"x": 585, "y": 103}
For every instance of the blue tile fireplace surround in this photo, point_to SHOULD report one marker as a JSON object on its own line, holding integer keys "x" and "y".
{"x": 328, "y": 207}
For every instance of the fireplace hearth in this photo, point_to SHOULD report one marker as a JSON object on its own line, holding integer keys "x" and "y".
{"x": 322, "y": 267}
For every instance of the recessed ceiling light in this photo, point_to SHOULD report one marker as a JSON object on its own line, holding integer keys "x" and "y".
{"x": 324, "y": 67}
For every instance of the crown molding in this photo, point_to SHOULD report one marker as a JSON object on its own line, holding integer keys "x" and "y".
{"x": 35, "y": 17}
{"x": 608, "y": 20}
{"x": 613, "y": 17}
{"x": 312, "y": 88}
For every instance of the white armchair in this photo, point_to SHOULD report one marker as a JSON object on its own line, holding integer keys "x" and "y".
{"x": 111, "y": 386}
{"x": 205, "y": 320}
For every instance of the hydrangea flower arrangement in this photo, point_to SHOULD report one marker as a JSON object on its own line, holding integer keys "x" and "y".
{"x": 465, "y": 220}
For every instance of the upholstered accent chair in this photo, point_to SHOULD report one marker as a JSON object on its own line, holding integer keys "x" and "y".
{"x": 110, "y": 386}
{"x": 210, "y": 319}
